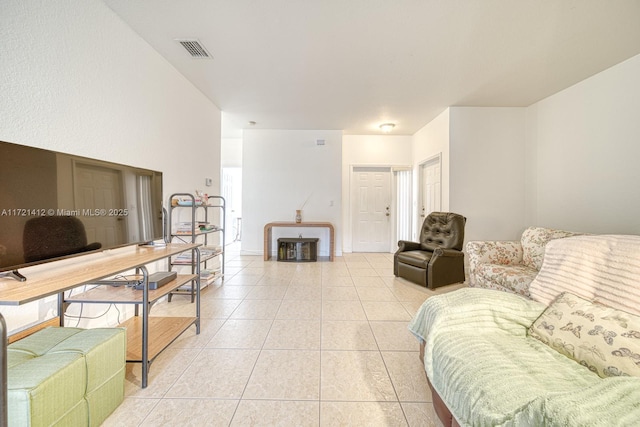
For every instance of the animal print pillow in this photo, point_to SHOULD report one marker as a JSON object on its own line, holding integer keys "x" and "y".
{"x": 603, "y": 339}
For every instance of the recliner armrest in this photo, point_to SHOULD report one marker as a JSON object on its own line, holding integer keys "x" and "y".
{"x": 405, "y": 245}
{"x": 447, "y": 253}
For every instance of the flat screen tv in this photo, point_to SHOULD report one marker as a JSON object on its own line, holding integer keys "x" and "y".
{"x": 55, "y": 205}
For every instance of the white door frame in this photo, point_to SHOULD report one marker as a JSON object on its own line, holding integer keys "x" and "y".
{"x": 435, "y": 159}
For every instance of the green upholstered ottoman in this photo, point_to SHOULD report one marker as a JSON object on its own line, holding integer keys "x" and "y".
{"x": 66, "y": 376}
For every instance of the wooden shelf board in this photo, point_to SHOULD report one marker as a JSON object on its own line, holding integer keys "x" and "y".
{"x": 162, "y": 332}
{"x": 129, "y": 295}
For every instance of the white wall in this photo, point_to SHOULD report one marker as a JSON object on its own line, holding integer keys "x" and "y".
{"x": 281, "y": 170}
{"x": 585, "y": 145}
{"x": 76, "y": 79}
{"x": 85, "y": 83}
{"x": 428, "y": 142}
{"x": 369, "y": 150}
{"x": 487, "y": 170}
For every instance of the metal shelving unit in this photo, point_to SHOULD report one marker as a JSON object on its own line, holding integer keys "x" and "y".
{"x": 197, "y": 230}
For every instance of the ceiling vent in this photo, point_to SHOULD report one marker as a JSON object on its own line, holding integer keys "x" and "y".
{"x": 195, "y": 49}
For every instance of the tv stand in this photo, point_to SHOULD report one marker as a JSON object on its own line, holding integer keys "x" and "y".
{"x": 15, "y": 274}
{"x": 146, "y": 336}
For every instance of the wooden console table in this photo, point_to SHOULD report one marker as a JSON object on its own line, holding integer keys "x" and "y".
{"x": 268, "y": 227}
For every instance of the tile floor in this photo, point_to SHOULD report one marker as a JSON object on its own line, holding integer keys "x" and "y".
{"x": 290, "y": 344}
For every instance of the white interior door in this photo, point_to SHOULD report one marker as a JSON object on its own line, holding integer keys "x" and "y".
{"x": 371, "y": 207}
{"x": 430, "y": 188}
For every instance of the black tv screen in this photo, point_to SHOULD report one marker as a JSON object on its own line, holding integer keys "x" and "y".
{"x": 54, "y": 205}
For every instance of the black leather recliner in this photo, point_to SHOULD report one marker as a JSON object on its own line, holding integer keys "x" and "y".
{"x": 436, "y": 260}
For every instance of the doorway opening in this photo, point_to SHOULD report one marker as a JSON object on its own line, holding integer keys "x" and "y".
{"x": 232, "y": 193}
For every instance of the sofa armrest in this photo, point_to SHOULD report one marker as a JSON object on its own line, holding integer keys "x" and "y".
{"x": 472, "y": 309}
{"x": 503, "y": 252}
{"x": 476, "y": 308}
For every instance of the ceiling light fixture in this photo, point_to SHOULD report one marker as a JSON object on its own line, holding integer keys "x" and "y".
{"x": 387, "y": 127}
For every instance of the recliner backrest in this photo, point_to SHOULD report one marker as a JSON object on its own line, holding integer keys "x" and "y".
{"x": 444, "y": 230}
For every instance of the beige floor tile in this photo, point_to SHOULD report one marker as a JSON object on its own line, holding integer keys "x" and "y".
{"x": 342, "y": 310}
{"x": 412, "y": 307}
{"x": 375, "y": 294}
{"x": 256, "y": 309}
{"x": 358, "y": 265}
{"x": 313, "y": 293}
{"x": 355, "y": 376}
{"x": 409, "y": 291}
{"x": 165, "y": 369}
{"x": 131, "y": 412}
{"x": 299, "y": 334}
{"x": 267, "y": 292}
{"x": 368, "y": 282}
{"x": 421, "y": 415}
{"x": 385, "y": 311}
{"x": 394, "y": 336}
{"x": 302, "y": 310}
{"x": 384, "y": 271}
{"x": 218, "y": 308}
{"x": 370, "y": 414}
{"x": 191, "y": 412}
{"x": 285, "y": 374}
{"x": 354, "y": 257}
{"x": 332, "y": 281}
{"x": 278, "y": 413}
{"x": 362, "y": 272}
{"x": 243, "y": 280}
{"x": 339, "y": 293}
{"x": 250, "y": 270}
{"x": 314, "y": 279}
{"x": 216, "y": 373}
{"x": 189, "y": 339}
{"x": 347, "y": 335}
{"x": 407, "y": 376}
{"x": 241, "y": 333}
{"x": 227, "y": 291}
{"x": 381, "y": 263}
{"x": 274, "y": 281}
{"x": 335, "y": 272}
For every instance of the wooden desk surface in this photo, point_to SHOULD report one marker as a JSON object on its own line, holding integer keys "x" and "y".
{"x": 52, "y": 278}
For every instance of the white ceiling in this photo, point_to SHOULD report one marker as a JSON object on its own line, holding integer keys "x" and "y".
{"x": 353, "y": 64}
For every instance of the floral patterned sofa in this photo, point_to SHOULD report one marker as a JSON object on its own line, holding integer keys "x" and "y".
{"x": 510, "y": 265}
{"x": 569, "y": 355}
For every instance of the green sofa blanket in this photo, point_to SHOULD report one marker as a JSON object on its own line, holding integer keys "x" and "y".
{"x": 488, "y": 372}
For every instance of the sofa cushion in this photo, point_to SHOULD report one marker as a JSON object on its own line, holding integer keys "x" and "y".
{"x": 485, "y": 377}
{"x": 603, "y": 339}
{"x": 534, "y": 241}
{"x": 515, "y": 278}
{"x": 604, "y": 269}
